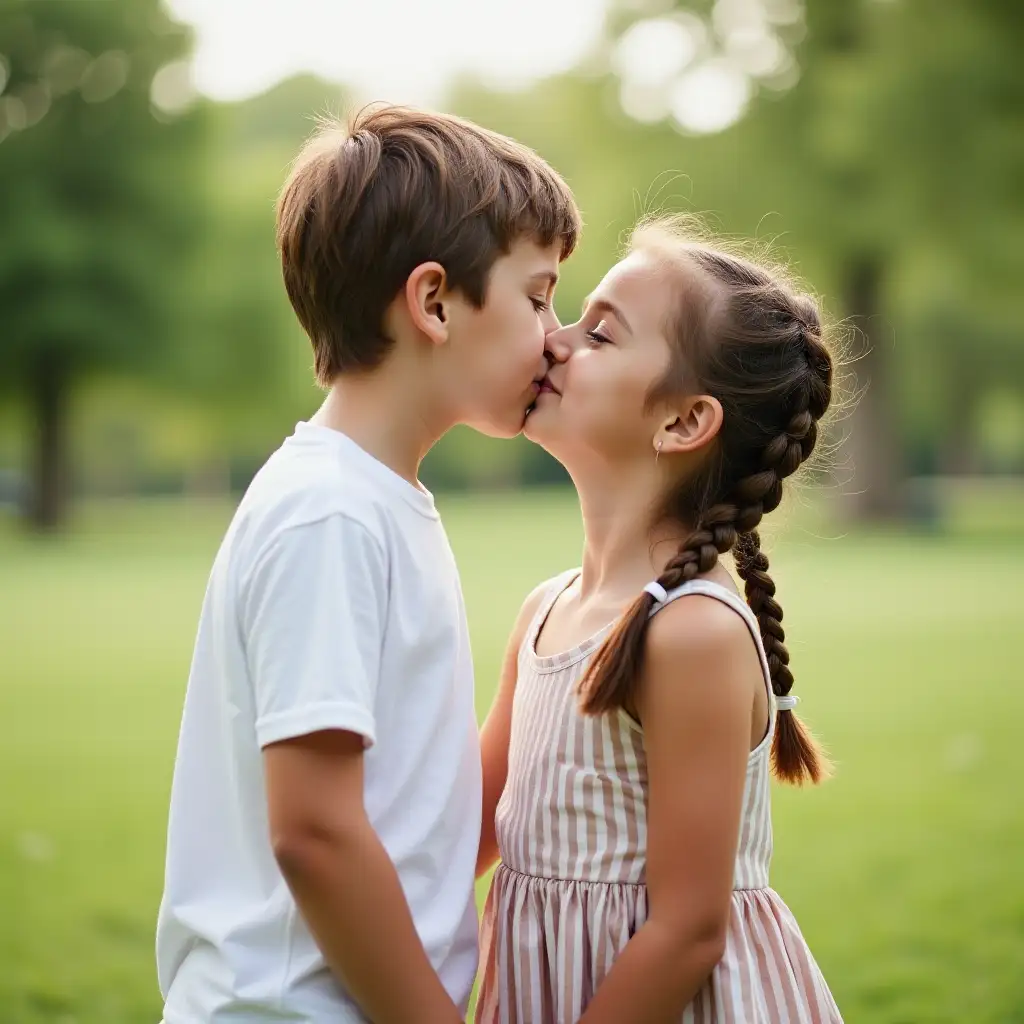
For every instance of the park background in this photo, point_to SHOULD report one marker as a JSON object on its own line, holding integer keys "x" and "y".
{"x": 149, "y": 363}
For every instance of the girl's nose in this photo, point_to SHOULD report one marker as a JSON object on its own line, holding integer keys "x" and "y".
{"x": 558, "y": 345}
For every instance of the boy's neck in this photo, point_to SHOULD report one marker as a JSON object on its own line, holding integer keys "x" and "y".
{"x": 386, "y": 417}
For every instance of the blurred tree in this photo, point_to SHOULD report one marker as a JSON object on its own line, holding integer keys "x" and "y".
{"x": 897, "y": 133}
{"x": 883, "y": 138}
{"x": 247, "y": 363}
{"x": 101, "y": 206}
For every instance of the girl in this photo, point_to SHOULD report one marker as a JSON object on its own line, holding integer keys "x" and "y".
{"x": 631, "y": 759}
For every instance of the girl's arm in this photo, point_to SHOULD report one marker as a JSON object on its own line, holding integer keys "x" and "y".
{"x": 496, "y": 731}
{"x": 695, "y": 701}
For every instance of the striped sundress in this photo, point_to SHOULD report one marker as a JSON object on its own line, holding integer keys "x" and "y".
{"x": 569, "y": 892}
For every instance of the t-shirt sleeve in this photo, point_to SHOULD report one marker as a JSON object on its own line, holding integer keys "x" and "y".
{"x": 313, "y": 613}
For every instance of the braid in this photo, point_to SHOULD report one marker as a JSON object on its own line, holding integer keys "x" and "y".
{"x": 759, "y": 587}
{"x": 796, "y": 756}
{"x": 756, "y": 348}
{"x": 699, "y": 552}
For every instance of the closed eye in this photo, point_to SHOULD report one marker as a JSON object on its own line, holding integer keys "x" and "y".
{"x": 540, "y": 305}
{"x": 598, "y": 338}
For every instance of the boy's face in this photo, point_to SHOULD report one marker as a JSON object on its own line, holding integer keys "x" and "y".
{"x": 496, "y": 353}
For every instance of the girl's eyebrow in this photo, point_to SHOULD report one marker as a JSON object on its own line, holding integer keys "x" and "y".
{"x": 608, "y": 307}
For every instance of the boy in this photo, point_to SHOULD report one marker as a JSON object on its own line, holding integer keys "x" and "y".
{"x": 325, "y": 810}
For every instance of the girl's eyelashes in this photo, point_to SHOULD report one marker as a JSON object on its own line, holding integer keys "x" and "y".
{"x": 540, "y": 305}
{"x": 598, "y": 338}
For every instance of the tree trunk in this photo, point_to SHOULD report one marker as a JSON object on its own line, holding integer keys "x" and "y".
{"x": 49, "y": 396}
{"x": 874, "y": 448}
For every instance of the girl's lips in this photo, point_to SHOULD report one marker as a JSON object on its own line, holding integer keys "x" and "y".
{"x": 546, "y": 385}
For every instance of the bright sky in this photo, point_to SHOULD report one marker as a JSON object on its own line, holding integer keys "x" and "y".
{"x": 397, "y": 50}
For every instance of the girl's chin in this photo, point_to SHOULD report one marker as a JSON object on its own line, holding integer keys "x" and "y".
{"x": 544, "y": 404}
{"x": 539, "y": 430}
{"x": 534, "y": 427}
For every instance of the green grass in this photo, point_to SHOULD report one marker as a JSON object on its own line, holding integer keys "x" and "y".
{"x": 906, "y": 871}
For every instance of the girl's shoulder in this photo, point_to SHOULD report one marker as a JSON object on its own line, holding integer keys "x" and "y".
{"x": 705, "y": 597}
{"x": 703, "y": 638}
{"x": 698, "y": 618}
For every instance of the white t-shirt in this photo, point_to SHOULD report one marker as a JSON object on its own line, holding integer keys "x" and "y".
{"x": 334, "y": 603}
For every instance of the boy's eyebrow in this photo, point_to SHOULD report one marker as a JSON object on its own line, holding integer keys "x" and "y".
{"x": 608, "y": 307}
{"x": 548, "y": 276}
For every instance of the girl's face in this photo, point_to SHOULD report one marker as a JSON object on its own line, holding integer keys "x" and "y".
{"x": 593, "y": 401}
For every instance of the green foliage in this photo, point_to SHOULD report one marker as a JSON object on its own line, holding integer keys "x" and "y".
{"x": 889, "y": 169}
{"x": 99, "y": 196}
{"x": 100, "y": 204}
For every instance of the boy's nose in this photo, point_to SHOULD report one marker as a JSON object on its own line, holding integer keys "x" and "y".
{"x": 550, "y": 320}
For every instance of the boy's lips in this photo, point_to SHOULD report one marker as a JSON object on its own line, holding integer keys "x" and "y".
{"x": 546, "y": 385}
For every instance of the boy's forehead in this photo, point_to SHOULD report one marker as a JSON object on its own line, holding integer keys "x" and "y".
{"x": 535, "y": 260}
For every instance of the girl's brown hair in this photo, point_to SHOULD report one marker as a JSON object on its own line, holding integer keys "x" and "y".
{"x": 742, "y": 335}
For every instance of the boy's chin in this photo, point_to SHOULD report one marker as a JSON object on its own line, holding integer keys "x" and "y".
{"x": 503, "y": 428}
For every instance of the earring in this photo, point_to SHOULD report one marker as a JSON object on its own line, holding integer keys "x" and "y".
{"x": 657, "y": 453}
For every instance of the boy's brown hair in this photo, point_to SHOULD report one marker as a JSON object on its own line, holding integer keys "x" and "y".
{"x": 366, "y": 204}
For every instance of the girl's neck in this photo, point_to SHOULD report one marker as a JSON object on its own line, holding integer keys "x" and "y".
{"x": 622, "y": 551}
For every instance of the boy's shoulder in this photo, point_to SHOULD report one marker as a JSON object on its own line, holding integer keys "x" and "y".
{"x": 301, "y": 486}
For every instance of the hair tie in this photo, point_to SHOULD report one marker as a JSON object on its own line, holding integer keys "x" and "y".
{"x": 787, "y": 703}
{"x": 657, "y": 591}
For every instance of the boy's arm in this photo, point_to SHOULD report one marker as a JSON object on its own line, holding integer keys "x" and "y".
{"x": 695, "y": 701}
{"x": 497, "y": 731}
{"x": 312, "y": 616}
{"x": 344, "y": 881}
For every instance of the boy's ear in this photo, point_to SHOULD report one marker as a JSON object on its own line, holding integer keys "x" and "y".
{"x": 696, "y": 424}
{"x": 426, "y": 293}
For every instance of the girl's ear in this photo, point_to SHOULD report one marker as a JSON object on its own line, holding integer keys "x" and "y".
{"x": 695, "y": 425}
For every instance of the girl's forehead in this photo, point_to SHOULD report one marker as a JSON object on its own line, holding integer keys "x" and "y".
{"x": 644, "y": 287}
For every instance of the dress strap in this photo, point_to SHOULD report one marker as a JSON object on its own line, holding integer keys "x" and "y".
{"x": 708, "y": 588}
{"x": 557, "y": 586}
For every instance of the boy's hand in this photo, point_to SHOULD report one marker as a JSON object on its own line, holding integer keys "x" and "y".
{"x": 344, "y": 881}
